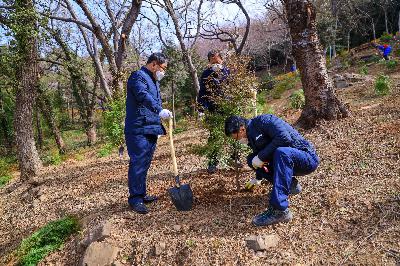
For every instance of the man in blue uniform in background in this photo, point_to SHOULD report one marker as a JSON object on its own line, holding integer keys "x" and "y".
{"x": 385, "y": 50}
{"x": 143, "y": 125}
{"x": 279, "y": 153}
{"x": 210, "y": 87}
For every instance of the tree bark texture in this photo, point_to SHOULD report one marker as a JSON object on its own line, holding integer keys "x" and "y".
{"x": 39, "y": 130}
{"x": 28, "y": 72}
{"x": 321, "y": 101}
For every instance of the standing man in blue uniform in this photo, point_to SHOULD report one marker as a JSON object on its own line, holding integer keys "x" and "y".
{"x": 143, "y": 125}
{"x": 279, "y": 153}
{"x": 210, "y": 87}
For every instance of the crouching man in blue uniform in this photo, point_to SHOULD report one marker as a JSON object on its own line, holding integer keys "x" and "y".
{"x": 279, "y": 153}
{"x": 143, "y": 125}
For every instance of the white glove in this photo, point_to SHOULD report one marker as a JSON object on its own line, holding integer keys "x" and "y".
{"x": 252, "y": 183}
{"x": 165, "y": 113}
{"x": 256, "y": 162}
{"x": 201, "y": 116}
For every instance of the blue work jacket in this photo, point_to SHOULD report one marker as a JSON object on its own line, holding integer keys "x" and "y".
{"x": 143, "y": 104}
{"x": 267, "y": 132}
{"x": 210, "y": 84}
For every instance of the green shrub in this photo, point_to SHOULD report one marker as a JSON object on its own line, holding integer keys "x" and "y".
{"x": 297, "y": 99}
{"x": 74, "y": 139}
{"x": 396, "y": 52}
{"x": 113, "y": 119}
{"x": 391, "y": 64}
{"x": 65, "y": 122}
{"x": 346, "y": 64}
{"x": 284, "y": 83}
{"x": 240, "y": 88}
{"x": 47, "y": 239}
{"x": 268, "y": 110}
{"x": 4, "y": 167}
{"x": 4, "y": 179}
{"x": 373, "y": 59}
{"x": 262, "y": 106}
{"x": 267, "y": 83}
{"x": 261, "y": 102}
{"x": 364, "y": 70}
{"x": 105, "y": 151}
{"x": 343, "y": 53}
{"x": 54, "y": 158}
{"x": 278, "y": 90}
{"x": 382, "y": 85}
{"x": 386, "y": 37}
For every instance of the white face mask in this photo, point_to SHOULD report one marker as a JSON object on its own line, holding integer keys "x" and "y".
{"x": 216, "y": 67}
{"x": 160, "y": 75}
{"x": 244, "y": 141}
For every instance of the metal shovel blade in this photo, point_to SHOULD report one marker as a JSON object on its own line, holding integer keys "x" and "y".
{"x": 182, "y": 197}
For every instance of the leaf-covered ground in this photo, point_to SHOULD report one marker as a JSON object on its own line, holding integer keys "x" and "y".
{"x": 347, "y": 214}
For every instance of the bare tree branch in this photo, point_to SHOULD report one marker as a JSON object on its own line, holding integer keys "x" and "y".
{"x": 81, "y": 23}
{"x": 214, "y": 32}
{"x": 99, "y": 34}
{"x": 114, "y": 28}
{"x": 50, "y": 61}
{"x": 127, "y": 25}
{"x": 157, "y": 25}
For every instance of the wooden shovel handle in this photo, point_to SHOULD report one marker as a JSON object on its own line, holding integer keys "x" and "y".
{"x": 171, "y": 142}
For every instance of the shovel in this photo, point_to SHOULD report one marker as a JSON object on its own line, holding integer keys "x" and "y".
{"x": 181, "y": 194}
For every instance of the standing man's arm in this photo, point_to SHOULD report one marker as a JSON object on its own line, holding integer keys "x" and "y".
{"x": 139, "y": 89}
{"x": 275, "y": 129}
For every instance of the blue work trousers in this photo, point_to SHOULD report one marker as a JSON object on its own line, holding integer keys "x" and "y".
{"x": 141, "y": 150}
{"x": 286, "y": 163}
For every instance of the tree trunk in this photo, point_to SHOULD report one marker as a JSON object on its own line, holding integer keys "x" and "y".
{"x": 386, "y": 20}
{"x": 334, "y": 10}
{"x": 321, "y": 101}
{"x": 348, "y": 41}
{"x": 28, "y": 73}
{"x": 48, "y": 113}
{"x": 247, "y": 29}
{"x": 399, "y": 23}
{"x": 72, "y": 114}
{"x": 334, "y": 37}
{"x": 39, "y": 130}
{"x": 91, "y": 134}
{"x": 185, "y": 51}
{"x": 373, "y": 29}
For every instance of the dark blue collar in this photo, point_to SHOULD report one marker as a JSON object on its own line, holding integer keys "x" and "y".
{"x": 248, "y": 123}
{"x": 148, "y": 72}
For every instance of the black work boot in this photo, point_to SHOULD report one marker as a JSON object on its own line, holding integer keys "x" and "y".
{"x": 272, "y": 216}
{"x": 149, "y": 198}
{"x": 139, "y": 208}
{"x": 295, "y": 187}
